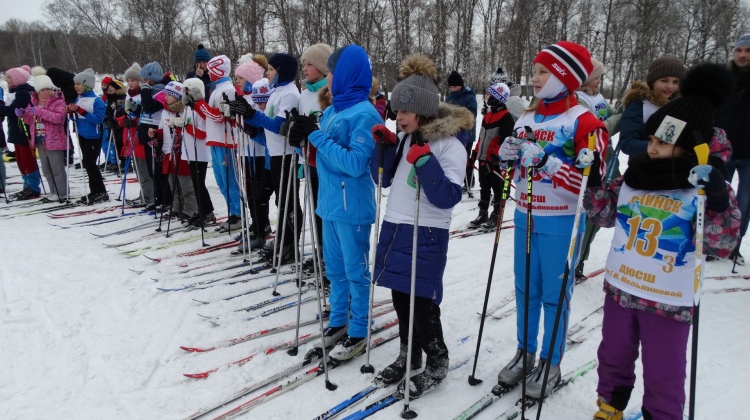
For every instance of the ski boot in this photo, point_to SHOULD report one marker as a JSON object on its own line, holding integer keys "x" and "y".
{"x": 534, "y": 384}
{"x": 348, "y": 348}
{"x": 434, "y": 373}
{"x": 510, "y": 376}
{"x": 481, "y": 219}
{"x": 396, "y": 370}
{"x": 491, "y": 223}
{"x": 606, "y": 411}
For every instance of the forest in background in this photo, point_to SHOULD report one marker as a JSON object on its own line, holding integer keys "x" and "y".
{"x": 473, "y": 36}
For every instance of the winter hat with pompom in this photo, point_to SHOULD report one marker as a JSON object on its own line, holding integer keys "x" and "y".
{"x": 568, "y": 62}
{"x": 201, "y": 54}
{"x": 499, "y": 91}
{"x": 40, "y": 80}
{"x": 152, "y": 71}
{"x": 195, "y": 88}
{"x": 133, "y": 72}
{"x": 86, "y": 78}
{"x": 262, "y": 90}
{"x": 20, "y": 75}
{"x": 174, "y": 89}
{"x": 63, "y": 80}
{"x": 702, "y": 91}
{"x": 251, "y": 71}
{"x": 417, "y": 92}
{"x": 499, "y": 76}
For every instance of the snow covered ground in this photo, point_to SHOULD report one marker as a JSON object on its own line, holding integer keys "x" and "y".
{"x": 84, "y": 337}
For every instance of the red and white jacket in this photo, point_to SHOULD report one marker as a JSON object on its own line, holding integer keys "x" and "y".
{"x": 194, "y": 145}
{"x": 219, "y": 127}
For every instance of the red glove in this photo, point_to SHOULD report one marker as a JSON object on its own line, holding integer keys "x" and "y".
{"x": 380, "y": 130}
{"x": 418, "y": 155}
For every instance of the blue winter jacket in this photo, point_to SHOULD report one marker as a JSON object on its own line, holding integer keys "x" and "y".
{"x": 17, "y": 129}
{"x": 467, "y": 98}
{"x": 344, "y": 142}
{"x": 633, "y": 141}
{"x": 90, "y": 125}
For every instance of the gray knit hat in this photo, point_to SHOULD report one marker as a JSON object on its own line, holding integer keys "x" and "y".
{"x": 152, "y": 71}
{"x": 133, "y": 72}
{"x": 86, "y": 78}
{"x": 665, "y": 66}
{"x": 418, "y": 91}
{"x": 317, "y": 55}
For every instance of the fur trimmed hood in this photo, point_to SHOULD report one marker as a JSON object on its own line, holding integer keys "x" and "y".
{"x": 450, "y": 120}
{"x": 639, "y": 91}
{"x": 324, "y": 98}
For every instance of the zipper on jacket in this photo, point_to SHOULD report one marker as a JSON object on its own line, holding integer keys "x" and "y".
{"x": 343, "y": 192}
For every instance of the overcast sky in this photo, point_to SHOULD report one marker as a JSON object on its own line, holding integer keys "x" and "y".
{"x": 28, "y": 10}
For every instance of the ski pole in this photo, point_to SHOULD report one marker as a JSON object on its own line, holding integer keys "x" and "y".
{"x": 199, "y": 192}
{"x": 278, "y": 194}
{"x": 408, "y": 413}
{"x": 473, "y": 380}
{"x": 226, "y": 181}
{"x": 367, "y": 367}
{"x": 701, "y": 151}
{"x": 307, "y": 213}
{"x": 530, "y": 172}
{"x": 285, "y": 223}
{"x": 566, "y": 273}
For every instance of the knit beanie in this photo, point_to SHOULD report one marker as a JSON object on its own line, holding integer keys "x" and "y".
{"x": 219, "y": 66}
{"x": 285, "y": 65}
{"x": 665, "y": 66}
{"x": 195, "y": 88}
{"x": 455, "y": 79}
{"x": 568, "y": 61}
{"x": 499, "y": 91}
{"x": 40, "y": 80}
{"x": 317, "y": 55}
{"x": 152, "y": 71}
{"x": 742, "y": 41}
{"x": 174, "y": 89}
{"x": 499, "y": 76}
{"x": 262, "y": 90}
{"x": 63, "y": 80}
{"x": 133, "y": 72}
{"x": 250, "y": 71}
{"x": 596, "y": 72}
{"x": 333, "y": 59}
{"x": 702, "y": 91}
{"x": 201, "y": 54}
{"x": 117, "y": 84}
{"x": 86, "y": 78}
{"x": 417, "y": 92}
{"x": 19, "y": 74}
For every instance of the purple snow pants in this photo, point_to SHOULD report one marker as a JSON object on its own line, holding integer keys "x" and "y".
{"x": 664, "y": 343}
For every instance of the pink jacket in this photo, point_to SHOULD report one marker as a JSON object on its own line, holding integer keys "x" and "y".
{"x": 53, "y": 116}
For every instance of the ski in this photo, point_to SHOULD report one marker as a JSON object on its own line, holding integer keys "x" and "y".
{"x": 145, "y": 225}
{"x": 198, "y": 284}
{"x": 199, "y": 251}
{"x": 169, "y": 244}
{"x": 289, "y": 385}
{"x": 515, "y": 411}
{"x": 84, "y": 212}
{"x": 735, "y": 276}
{"x": 246, "y": 292}
{"x": 272, "y": 331}
{"x": 500, "y": 305}
{"x": 476, "y": 232}
{"x": 37, "y": 211}
{"x": 590, "y": 275}
{"x": 258, "y": 305}
{"x": 729, "y": 290}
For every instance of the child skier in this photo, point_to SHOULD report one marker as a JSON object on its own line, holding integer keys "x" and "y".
{"x": 427, "y": 152}
{"x": 88, "y": 113}
{"x": 649, "y": 287}
{"x": 497, "y": 124}
{"x": 131, "y": 146}
{"x": 151, "y": 108}
{"x": 562, "y": 128}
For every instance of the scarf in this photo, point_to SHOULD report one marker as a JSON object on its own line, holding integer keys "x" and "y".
{"x": 314, "y": 87}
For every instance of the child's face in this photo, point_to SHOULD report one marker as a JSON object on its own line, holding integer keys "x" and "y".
{"x": 658, "y": 149}
{"x": 666, "y": 86}
{"x": 271, "y": 73}
{"x": 594, "y": 85}
{"x": 239, "y": 82}
{"x": 262, "y": 106}
{"x": 79, "y": 88}
{"x": 111, "y": 90}
{"x": 408, "y": 121}
{"x": 169, "y": 99}
{"x": 312, "y": 74}
{"x": 9, "y": 79}
{"x": 132, "y": 84}
{"x": 541, "y": 75}
{"x": 742, "y": 57}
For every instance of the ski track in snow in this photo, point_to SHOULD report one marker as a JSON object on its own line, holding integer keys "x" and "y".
{"x": 86, "y": 338}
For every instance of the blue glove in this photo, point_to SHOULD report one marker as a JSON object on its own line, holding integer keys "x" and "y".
{"x": 510, "y": 150}
{"x": 532, "y": 155}
{"x": 710, "y": 180}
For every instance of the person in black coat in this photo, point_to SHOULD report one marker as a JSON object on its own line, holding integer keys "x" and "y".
{"x": 464, "y": 96}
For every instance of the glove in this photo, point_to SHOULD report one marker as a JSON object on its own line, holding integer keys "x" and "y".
{"x": 225, "y": 109}
{"x": 595, "y": 178}
{"x": 130, "y": 105}
{"x": 284, "y": 130}
{"x": 250, "y": 130}
{"x": 484, "y": 107}
{"x": 111, "y": 123}
{"x": 176, "y": 122}
{"x": 144, "y": 85}
{"x": 418, "y": 155}
{"x": 710, "y": 180}
{"x": 389, "y": 114}
{"x": 129, "y": 123}
{"x": 532, "y": 155}
{"x": 302, "y": 126}
{"x": 241, "y": 107}
{"x": 485, "y": 168}
{"x": 18, "y": 112}
{"x": 388, "y": 136}
{"x": 472, "y": 159}
{"x": 188, "y": 100}
{"x": 585, "y": 158}
{"x": 510, "y": 150}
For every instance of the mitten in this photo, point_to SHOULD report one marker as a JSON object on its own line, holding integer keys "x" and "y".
{"x": 532, "y": 155}
{"x": 418, "y": 155}
{"x": 711, "y": 181}
{"x": 510, "y": 150}
{"x": 381, "y": 132}
{"x": 302, "y": 126}
{"x": 585, "y": 158}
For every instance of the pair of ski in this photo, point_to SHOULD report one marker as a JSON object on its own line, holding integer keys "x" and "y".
{"x": 313, "y": 356}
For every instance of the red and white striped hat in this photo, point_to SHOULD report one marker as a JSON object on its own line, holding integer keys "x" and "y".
{"x": 568, "y": 61}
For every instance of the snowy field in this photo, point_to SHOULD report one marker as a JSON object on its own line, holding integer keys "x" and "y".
{"x": 84, "y": 337}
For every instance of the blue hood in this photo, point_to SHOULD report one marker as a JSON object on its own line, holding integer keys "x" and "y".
{"x": 352, "y": 80}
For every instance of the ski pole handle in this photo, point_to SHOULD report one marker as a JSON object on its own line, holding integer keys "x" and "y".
{"x": 381, "y": 157}
{"x": 591, "y": 146}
